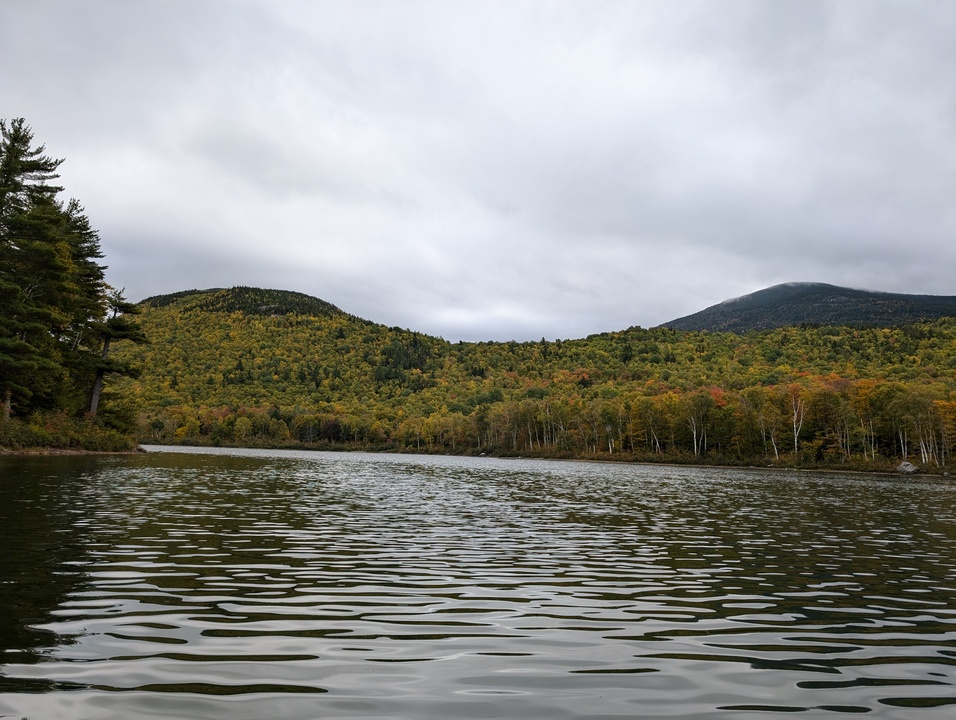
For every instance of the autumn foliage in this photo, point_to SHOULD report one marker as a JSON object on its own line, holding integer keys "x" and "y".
{"x": 262, "y": 374}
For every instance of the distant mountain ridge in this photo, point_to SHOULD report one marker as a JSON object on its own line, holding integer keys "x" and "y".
{"x": 247, "y": 300}
{"x": 787, "y": 304}
{"x": 250, "y": 367}
{"x": 805, "y": 303}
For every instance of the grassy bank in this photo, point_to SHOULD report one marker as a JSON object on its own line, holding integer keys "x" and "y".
{"x": 57, "y": 432}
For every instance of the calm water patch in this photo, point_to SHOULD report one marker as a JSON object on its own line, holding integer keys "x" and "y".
{"x": 294, "y": 585}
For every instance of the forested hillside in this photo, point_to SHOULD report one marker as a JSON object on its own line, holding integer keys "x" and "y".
{"x": 816, "y": 304}
{"x": 251, "y": 301}
{"x": 851, "y": 397}
{"x": 247, "y": 366}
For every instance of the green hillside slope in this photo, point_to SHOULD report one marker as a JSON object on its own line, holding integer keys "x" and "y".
{"x": 816, "y": 304}
{"x": 239, "y": 375}
{"x": 247, "y": 300}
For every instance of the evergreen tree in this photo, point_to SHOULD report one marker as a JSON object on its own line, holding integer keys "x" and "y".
{"x": 25, "y": 193}
{"x": 19, "y": 360}
{"x": 25, "y": 171}
{"x": 54, "y": 301}
{"x": 119, "y": 325}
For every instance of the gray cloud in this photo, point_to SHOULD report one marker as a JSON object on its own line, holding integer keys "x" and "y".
{"x": 496, "y": 170}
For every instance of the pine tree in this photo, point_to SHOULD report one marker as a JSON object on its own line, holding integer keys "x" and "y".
{"x": 19, "y": 360}
{"x": 25, "y": 172}
{"x": 53, "y": 292}
{"x": 119, "y": 325}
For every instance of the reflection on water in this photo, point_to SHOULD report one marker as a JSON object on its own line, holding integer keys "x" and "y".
{"x": 313, "y": 585}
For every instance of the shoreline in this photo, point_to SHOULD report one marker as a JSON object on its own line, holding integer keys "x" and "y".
{"x": 140, "y": 450}
{"x": 50, "y": 451}
{"x": 938, "y": 472}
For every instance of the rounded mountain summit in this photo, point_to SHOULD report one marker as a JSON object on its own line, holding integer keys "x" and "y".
{"x": 804, "y": 303}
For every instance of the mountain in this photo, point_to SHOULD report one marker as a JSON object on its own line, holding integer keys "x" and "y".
{"x": 247, "y": 300}
{"x": 266, "y": 367}
{"x": 815, "y": 304}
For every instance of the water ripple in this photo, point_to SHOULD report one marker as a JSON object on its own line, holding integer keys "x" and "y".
{"x": 317, "y": 585}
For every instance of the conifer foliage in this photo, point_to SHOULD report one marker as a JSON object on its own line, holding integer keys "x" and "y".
{"x": 57, "y": 313}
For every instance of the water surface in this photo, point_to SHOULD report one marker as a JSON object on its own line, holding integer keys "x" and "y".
{"x": 242, "y": 585}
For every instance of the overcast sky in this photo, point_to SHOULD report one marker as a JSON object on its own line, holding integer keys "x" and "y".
{"x": 500, "y": 170}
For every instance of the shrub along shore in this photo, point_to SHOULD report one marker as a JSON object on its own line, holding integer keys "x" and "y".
{"x": 57, "y": 433}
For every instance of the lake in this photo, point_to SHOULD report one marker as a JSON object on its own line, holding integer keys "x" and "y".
{"x": 296, "y": 585}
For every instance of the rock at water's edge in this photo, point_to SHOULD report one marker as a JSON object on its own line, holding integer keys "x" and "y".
{"x": 907, "y": 468}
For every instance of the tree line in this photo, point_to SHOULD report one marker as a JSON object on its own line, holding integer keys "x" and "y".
{"x": 246, "y": 366}
{"x": 807, "y": 396}
{"x": 825, "y": 423}
{"x": 58, "y": 315}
